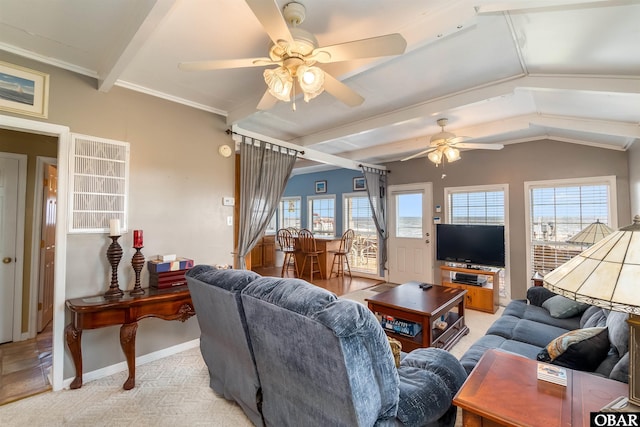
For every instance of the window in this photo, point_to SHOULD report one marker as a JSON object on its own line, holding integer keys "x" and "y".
{"x": 359, "y": 218}
{"x": 322, "y": 215}
{"x": 481, "y": 205}
{"x": 409, "y": 215}
{"x": 291, "y": 212}
{"x": 557, "y": 210}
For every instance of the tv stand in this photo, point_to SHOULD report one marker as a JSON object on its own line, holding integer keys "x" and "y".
{"x": 482, "y": 297}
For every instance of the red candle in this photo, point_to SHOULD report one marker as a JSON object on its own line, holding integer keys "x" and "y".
{"x": 137, "y": 239}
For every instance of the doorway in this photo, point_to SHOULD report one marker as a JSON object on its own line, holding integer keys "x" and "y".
{"x": 63, "y": 136}
{"x": 410, "y": 233}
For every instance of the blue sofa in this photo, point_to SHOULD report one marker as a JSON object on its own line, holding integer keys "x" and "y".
{"x": 526, "y": 327}
{"x": 291, "y": 353}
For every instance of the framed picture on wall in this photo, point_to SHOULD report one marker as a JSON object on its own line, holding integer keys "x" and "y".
{"x": 23, "y": 91}
{"x": 321, "y": 186}
{"x": 359, "y": 184}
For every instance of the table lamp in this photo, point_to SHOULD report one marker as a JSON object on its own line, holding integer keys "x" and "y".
{"x": 607, "y": 275}
{"x": 591, "y": 234}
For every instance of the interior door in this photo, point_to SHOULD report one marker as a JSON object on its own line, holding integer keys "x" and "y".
{"x": 411, "y": 231}
{"x": 9, "y": 169}
{"x": 47, "y": 247}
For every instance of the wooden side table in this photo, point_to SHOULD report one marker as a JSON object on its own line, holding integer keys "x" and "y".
{"x": 99, "y": 312}
{"x": 503, "y": 389}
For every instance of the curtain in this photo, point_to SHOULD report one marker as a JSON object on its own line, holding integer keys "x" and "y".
{"x": 264, "y": 171}
{"x": 377, "y": 192}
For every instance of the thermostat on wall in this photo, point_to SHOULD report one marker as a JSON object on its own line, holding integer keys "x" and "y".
{"x": 225, "y": 151}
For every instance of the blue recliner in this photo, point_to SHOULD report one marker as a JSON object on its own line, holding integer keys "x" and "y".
{"x": 324, "y": 361}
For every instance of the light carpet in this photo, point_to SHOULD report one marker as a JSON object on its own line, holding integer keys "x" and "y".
{"x": 169, "y": 392}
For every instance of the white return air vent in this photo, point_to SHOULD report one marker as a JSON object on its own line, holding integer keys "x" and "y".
{"x": 99, "y": 181}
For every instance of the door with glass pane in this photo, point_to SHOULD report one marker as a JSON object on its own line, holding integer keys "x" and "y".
{"x": 410, "y": 234}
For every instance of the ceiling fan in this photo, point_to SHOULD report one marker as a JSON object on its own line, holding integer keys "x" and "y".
{"x": 295, "y": 51}
{"x": 445, "y": 144}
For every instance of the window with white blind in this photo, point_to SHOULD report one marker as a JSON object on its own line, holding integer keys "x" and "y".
{"x": 558, "y": 210}
{"x": 481, "y": 205}
{"x": 99, "y": 182}
{"x": 322, "y": 215}
{"x": 291, "y": 212}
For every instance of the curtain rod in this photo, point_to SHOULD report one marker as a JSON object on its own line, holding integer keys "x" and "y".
{"x": 232, "y": 132}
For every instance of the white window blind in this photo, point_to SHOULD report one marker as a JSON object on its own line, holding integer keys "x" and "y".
{"x": 322, "y": 215}
{"x": 99, "y": 181}
{"x": 291, "y": 212}
{"x": 558, "y": 211}
{"x": 476, "y": 207}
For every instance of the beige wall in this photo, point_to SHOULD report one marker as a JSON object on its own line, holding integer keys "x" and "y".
{"x": 33, "y": 146}
{"x": 177, "y": 182}
{"x": 634, "y": 178}
{"x": 515, "y": 165}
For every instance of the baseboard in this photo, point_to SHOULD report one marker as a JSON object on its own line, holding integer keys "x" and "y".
{"x": 141, "y": 360}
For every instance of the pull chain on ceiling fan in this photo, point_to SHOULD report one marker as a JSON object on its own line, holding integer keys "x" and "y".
{"x": 446, "y": 145}
{"x": 296, "y": 52}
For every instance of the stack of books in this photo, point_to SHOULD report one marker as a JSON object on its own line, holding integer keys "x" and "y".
{"x": 400, "y": 326}
{"x": 553, "y": 374}
{"x": 167, "y": 274}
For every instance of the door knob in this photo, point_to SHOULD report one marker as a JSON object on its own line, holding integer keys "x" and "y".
{"x": 7, "y": 260}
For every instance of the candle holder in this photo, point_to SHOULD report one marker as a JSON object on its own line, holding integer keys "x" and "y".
{"x": 137, "y": 262}
{"x": 114, "y": 255}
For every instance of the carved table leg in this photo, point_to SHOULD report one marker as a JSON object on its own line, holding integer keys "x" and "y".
{"x": 74, "y": 337}
{"x": 128, "y": 343}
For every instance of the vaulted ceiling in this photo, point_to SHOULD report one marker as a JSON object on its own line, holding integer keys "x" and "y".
{"x": 501, "y": 71}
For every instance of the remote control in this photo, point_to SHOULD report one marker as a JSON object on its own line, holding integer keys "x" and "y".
{"x": 425, "y": 286}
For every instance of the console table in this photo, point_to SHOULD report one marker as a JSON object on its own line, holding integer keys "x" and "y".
{"x": 99, "y": 312}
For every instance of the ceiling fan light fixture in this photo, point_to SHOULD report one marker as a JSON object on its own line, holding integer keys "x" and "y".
{"x": 435, "y": 157}
{"x": 452, "y": 154}
{"x": 311, "y": 81}
{"x": 280, "y": 83}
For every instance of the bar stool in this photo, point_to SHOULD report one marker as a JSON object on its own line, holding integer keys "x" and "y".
{"x": 308, "y": 246}
{"x": 287, "y": 245}
{"x": 341, "y": 256}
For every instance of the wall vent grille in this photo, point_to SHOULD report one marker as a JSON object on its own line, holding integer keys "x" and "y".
{"x": 99, "y": 181}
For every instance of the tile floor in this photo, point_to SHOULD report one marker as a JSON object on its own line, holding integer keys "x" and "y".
{"x": 24, "y": 367}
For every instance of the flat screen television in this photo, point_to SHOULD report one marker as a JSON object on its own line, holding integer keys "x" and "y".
{"x": 481, "y": 245}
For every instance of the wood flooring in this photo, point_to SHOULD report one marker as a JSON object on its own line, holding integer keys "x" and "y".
{"x": 24, "y": 367}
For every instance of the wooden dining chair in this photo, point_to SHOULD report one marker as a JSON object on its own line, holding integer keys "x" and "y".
{"x": 341, "y": 256}
{"x": 307, "y": 244}
{"x": 287, "y": 245}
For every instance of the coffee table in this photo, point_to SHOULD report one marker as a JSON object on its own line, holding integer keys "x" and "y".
{"x": 503, "y": 389}
{"x": 411, "y": 303}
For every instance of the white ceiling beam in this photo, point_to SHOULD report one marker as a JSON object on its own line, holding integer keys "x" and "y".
{"x": 309, "y": 153}
{"x": 604, "y": 127}
{"x": 480, "y": 94}
{"x": 491, "y": 6}
{"x": 148, "y": 14}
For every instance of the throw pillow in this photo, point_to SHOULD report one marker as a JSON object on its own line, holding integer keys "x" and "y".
{"x": 562, "y": 307}
{"x": 396, "y": 348}
{"x": 582, "y": 349}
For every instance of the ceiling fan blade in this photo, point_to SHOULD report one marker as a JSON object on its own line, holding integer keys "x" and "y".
{"x": 341, "y": 91}
{"x": 391, "y": 44}
{"x": 480, "y": 146}
{"x": 267, "y": 102}
{"x": 225, "y": 63}
{"x": 456, "y": 140}
{"x": 428, "y": 150}
{"x": 269, "y": 15}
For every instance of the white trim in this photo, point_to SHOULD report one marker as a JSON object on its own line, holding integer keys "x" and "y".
{"x": 322, "y": 196}
{"x": 36, "y": 233}
{"x": 19, "y": 242}
{"x": 609, "y": 180}
{"x": 140, "y": 360}
{"x": 504, "y": 299}
{"x": 64, "y": 139}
